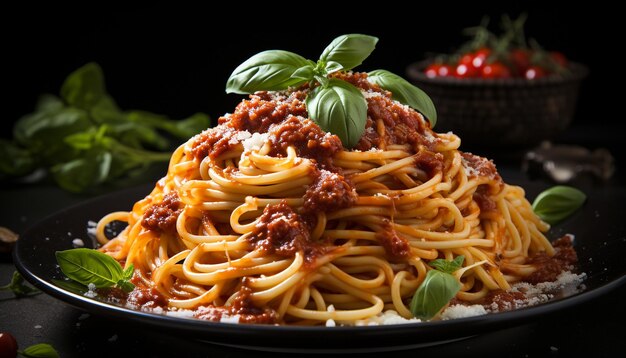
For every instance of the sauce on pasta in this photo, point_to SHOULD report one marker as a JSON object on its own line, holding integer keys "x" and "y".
{"x": 268, "y": 219}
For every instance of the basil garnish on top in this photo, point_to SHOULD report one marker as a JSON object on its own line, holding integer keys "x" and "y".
{"x": 87, "y": 266}
{"x": 437, "y": 289}
{"x": 557, "y": 203}
{"x": 335, "y": 105}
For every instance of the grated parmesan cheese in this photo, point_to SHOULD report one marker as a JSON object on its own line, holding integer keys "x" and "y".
{"x": 255, "y": 141}
{"x": 461, "y": 311}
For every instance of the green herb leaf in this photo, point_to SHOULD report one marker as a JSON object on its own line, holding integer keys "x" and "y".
{"x": 128, "y": 272}
{"x": 339, "y": 109}
{"x": 42, "y": 133}
{"x": 305, "y": 73}
{"x": 433, "y": 294}
{"x": 14, "y": 160}
{"x": 349, "y": 50}
{"x": 181, "y": 128}
{"x": 125, "y": 285}
{"x": 84, "y": 87}
{"x": 90, "y": 266}
{"x": 333, "y": 66}
{"x": 41, "y": 350}
{"x": 448, "y": 266}
{"x": 18, "y": 286}
{"x": 404, "y": 92}
{"x": 89, "y": 170}
{"x": 266, "y": 71}
{"x": 557, "y": 203}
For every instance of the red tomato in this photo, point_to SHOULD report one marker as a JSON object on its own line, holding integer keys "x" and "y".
{"x": 464, "y": 71}
{"x": 8, "y": 346}
{"x": 520, "y": 58}
{"x": 534, "y": 72}
{"x": 496, "y": 70}
{"x": 432, "y": 71}
{"x": 445, "y": 71}
{"x": 466, "y": 59}
{"x": 480, "y": 57}
{"x": 559, "y": 58}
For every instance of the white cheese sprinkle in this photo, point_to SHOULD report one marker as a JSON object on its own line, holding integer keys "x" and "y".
{"x": 255, "y": 141}
{"x": 78, "y": 243}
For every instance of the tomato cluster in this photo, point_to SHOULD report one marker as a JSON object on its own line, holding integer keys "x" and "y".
{"x": 481, "y": 64}
{"x": 489, "y": 56}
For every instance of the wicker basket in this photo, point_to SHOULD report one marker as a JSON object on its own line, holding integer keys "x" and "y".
{"x": 505, "y": 112}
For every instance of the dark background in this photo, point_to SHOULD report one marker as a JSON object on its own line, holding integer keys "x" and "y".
{"x": 175, "y": 61}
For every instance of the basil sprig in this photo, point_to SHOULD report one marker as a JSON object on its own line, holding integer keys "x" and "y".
{"x": 335, "y": 105}
{"x": 438, "y": 288}
{"x": 557, "y": 203}
{"x": 87, "y": 266}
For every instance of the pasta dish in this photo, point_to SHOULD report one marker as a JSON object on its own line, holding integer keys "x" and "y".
{"x": 267, "y": 218}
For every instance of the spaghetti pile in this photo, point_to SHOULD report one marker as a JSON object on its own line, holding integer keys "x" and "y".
{"x": 269, "y": 219}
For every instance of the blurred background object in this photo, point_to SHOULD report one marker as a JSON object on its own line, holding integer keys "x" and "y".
{"x": 569, "y": 163}
{"x": 175, "y": 60}
{"x": 499, "y": 88}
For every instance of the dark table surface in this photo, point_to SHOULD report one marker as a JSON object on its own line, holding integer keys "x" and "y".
{"x": 596, "y": 327}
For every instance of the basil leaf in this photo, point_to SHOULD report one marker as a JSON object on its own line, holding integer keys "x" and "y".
{"x": 448, "y": 266}
{"x": 84, "y": 87}
{"x": 266, "y": 71}
{"x": 90, "y": 169}
{"x": 183, "y": 129}
{"x": 349, "y": 50}
{"x": 14, "y": 160}
{"x": 404, "y": 92}
{"x": 90, "y": 266}
{"x": 333, "y": 66}
{"x": 43, "y": 132}
{"x": 19, "y": 287}
{"x": 433, "y": 294}
{"x": 304, "y": 73}
{"x": 125, "y": 285}
{"x": 128, "y": 272}
{"x": 41, "y": 350}
{"x": 106, "y": 111}
{"x": 557, "y": 203}
{"x": 339, "y": 109}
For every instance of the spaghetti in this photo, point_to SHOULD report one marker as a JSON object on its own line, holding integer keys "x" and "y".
{"x": 267, "y": 218}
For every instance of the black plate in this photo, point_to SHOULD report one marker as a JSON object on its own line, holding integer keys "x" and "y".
{"x": 599, "y": 227}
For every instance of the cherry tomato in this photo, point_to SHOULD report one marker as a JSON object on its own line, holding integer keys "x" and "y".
{"x": 520, "y": 58}
{"x": 466, "y": 59}
{"x": 559, "y": 58}
{"x": 8, "y": 346}
{"x": 496, "y": 70}
{"x": 534, "y": 72}
{"x": 432, "y": 70}
{"x": 445, "y": 71}
{"x": 480, "y": 57}
{"x": 464, "y": 71}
